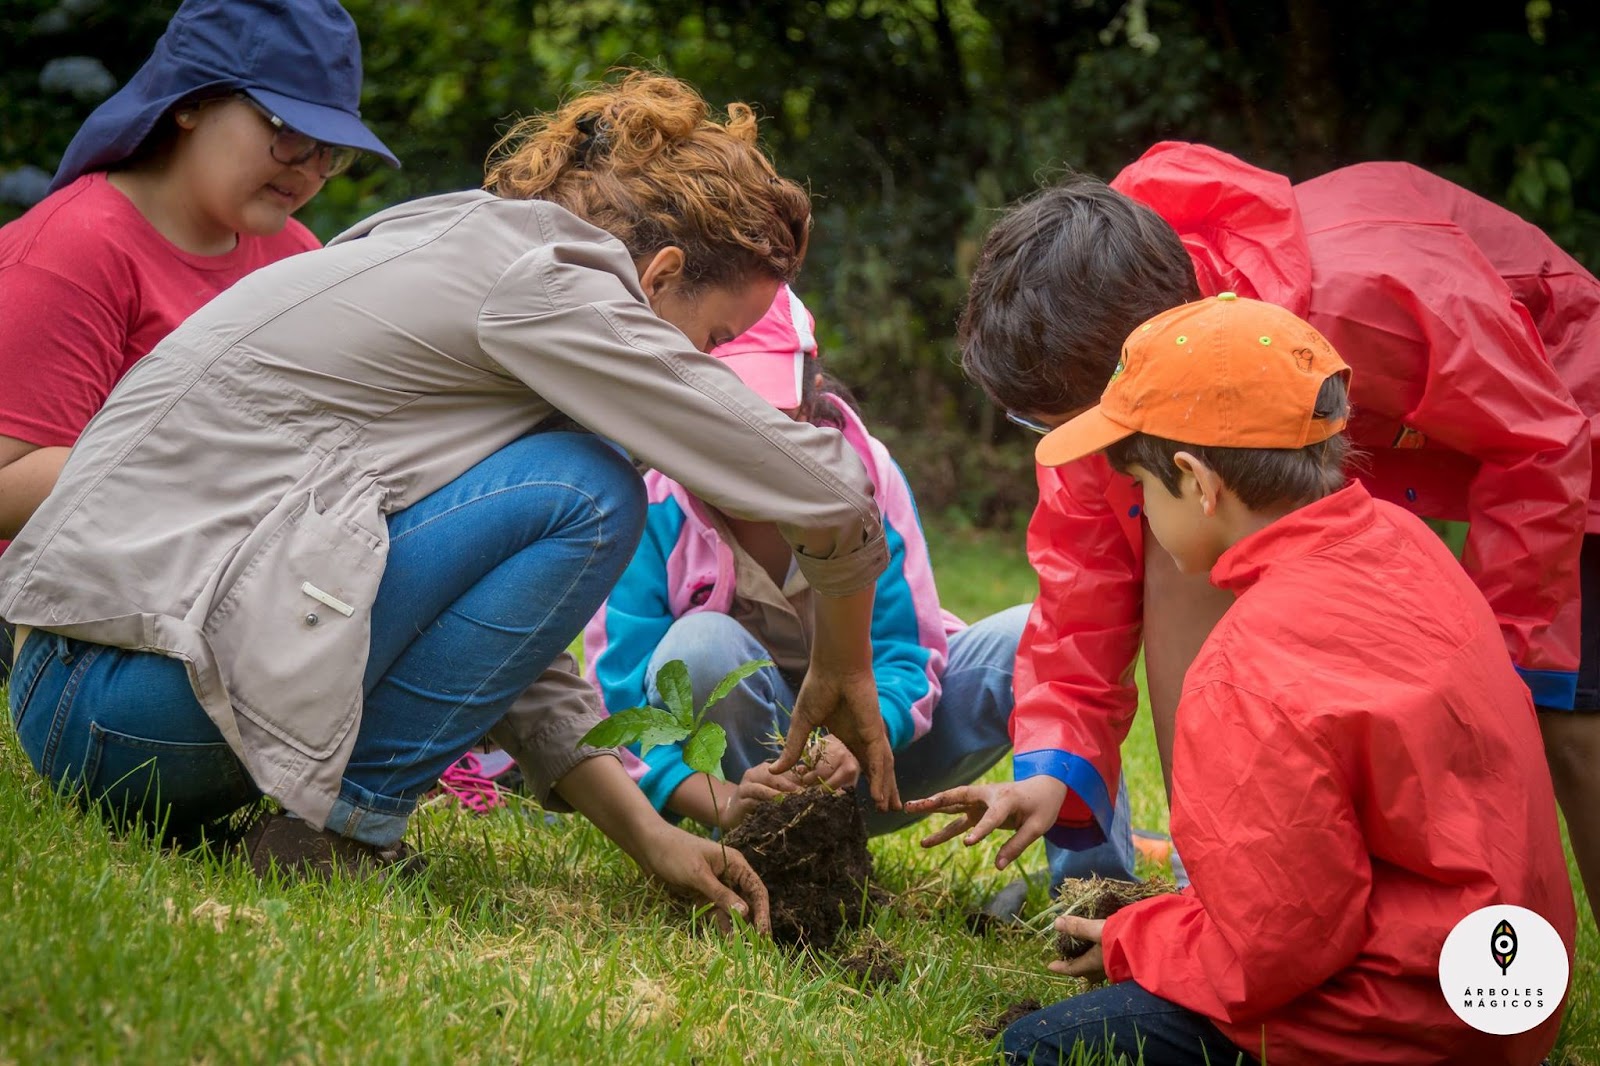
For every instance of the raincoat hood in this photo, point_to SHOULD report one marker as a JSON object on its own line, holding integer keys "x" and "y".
{"x": 1240, "y": 224}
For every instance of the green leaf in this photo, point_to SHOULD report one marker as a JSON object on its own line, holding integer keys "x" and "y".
{"x": 1528, "y": 186}
{"x": 736, "y": 675}
{"x": 1556, "y": 175}
{"x": 646, "y": 726}
{"x": 703, "y": 751}
{"x": 662, "y": 729}
{"x": 672, "y": 681}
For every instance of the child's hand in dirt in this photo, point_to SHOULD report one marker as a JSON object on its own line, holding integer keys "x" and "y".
{"x": 1091, "y": 965}
{"x": 846, "y": 704}
{"x": 835, "y": 766}
{"x": 703, "y": 869}
{"x": 1029, "y": 806}
{"x": 758, "y": 785}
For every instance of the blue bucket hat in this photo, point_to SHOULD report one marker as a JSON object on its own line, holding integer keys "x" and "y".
{"x": 299, "y": 59}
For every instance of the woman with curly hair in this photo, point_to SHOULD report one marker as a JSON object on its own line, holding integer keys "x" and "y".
{"x": 345, "y": 521}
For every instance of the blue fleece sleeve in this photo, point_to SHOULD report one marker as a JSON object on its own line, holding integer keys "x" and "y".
{"x": 638, "y": 614}
{"x": 899, "y": 661}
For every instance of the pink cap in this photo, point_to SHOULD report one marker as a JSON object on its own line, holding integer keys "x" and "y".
{"x": 770, "y": 356}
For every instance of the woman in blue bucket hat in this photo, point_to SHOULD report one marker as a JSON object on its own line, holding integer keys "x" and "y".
{"x": 177, "y": 186}
{"x": 297, "y": 61}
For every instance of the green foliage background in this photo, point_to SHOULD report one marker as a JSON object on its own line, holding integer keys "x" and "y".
{"x": 913, "y": 121}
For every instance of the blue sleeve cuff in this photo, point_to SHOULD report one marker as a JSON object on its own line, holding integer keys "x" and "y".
{"x": 1556, "y": 689}
{"x": 1082, "y": 778}
{"x": 660, "y": 782}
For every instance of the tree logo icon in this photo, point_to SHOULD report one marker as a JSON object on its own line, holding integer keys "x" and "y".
{"x": 1503, "y": 945}
{"x": 1482, "y": 988}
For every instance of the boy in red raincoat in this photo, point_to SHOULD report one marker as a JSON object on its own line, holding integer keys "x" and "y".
{"x": 1476, "y": 346}
{"x": 1356, "y": 766}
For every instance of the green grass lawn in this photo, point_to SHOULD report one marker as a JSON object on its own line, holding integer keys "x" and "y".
{"x": 525, "y": 942}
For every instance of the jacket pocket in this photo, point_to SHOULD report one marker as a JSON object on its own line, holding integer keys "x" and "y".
{"x": 293, "y": 630}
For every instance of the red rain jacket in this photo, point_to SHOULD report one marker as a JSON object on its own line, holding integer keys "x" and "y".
{"x": 1475, "y": 343}
{"x": 1356, "y": 768}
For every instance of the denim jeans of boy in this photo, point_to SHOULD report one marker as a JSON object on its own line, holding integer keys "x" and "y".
{"x": 970, "y": 724}
{"x": 1121, "y": 1018}
{"x": 488, "y": 580}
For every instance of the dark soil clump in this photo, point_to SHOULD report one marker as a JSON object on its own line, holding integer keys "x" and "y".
{"x": 873, "y": 963}
{"x": 1003, "y": 1021}
{"x": 810, "y": 849}
{"x": 1099, "y": 898}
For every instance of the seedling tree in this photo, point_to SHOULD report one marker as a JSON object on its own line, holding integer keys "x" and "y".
{"x": 703, "y": 740}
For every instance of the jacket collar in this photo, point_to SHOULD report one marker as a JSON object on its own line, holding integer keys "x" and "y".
{"x": 1297, "y": 534}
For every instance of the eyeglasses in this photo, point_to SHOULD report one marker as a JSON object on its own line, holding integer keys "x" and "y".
{"x": 1030, "y": 424}
{"x": 292, "y": 148}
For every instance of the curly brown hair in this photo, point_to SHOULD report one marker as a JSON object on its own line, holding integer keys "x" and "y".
{"x": 645, "y": 160}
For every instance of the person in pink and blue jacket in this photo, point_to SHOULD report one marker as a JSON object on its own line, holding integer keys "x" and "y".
{"x": 717, "y": 591}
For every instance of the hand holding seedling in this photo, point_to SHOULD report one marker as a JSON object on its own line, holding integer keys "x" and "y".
{"x": 1091, "y": 965}
{"x": 601, "y": 790}
{"x": 688, "y": 863}
{"x": 840, "y": 694}
{"x": 832, "y": 765}
{"x": 704, "y": 741}
{"x": 825, "y": 761}
{"x": 847, "y": 706}
{"x": 1029, "y": 806}
{"x": 703, "y": 869}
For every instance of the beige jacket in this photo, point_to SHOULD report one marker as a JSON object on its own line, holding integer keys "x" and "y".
{"x": 238, "y": 478}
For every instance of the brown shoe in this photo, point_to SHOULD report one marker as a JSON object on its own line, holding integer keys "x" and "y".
{"x": 301, "y": 851}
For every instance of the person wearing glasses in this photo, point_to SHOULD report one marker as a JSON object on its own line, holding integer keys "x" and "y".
{"x": 346, "y": 519}
{"x": 176, "y": 187}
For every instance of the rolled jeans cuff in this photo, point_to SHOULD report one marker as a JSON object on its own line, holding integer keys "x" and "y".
{"x": 368, "y": 817}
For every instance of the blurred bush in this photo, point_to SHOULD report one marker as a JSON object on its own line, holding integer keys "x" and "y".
{"x": 915, "y": 121}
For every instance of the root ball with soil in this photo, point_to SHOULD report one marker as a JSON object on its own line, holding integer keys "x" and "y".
{"x": 1099, "y": 898}
{"x": 810, "y": 849}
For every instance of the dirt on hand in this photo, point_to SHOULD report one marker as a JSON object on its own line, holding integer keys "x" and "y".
{"x": 810, "y": 849}
{"x": 1099, "y": 898}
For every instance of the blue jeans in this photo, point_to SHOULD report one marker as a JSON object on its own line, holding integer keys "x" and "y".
{"x": 488, "y": 580}
{"x": 970, "y": 729}
{"x": 1121, "y": 1018}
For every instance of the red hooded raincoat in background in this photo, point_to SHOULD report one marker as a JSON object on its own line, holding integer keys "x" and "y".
{"x": 1356, "y": 769}
{"x": 1475, "y": 344}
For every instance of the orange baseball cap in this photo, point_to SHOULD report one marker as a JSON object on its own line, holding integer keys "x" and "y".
{"x": 1221, "y": 372}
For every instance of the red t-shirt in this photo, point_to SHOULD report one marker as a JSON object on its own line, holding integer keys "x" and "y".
{"x": 87, "y": 288}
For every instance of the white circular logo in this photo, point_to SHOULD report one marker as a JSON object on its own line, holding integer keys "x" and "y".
{"x": 1503, "y": 969}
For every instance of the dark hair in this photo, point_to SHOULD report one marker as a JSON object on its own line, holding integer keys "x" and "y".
{"x": 822, "y": 395}
{"x": 1260, "y": 477}
{"x": 1062, "y": 279}
{"x": 645, "y": 160}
